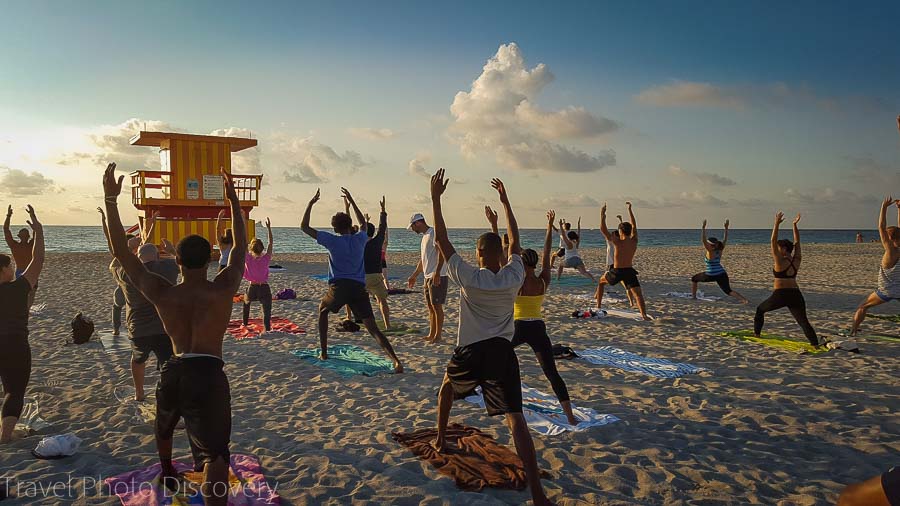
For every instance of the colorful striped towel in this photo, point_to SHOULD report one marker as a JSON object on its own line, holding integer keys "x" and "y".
{"x": 632, "y": 362}
{"x": 347, "y": 360}
{"x": 774, "y": 341}
{"x": 545, "y": 416}
{"x": 255, "y": 328}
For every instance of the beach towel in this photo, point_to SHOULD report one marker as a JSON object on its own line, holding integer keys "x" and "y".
{"x": 608, "y": 297}
{"x": 37, "y": 308}
{"x": 882, "y": 337}
{"x": 143, "y": 412}
{"x": 609, "y": 312}
{"x": 255, "y": 328}
{"x": 277, "y": 268}
{"x": 775, "y": 341}
{"x": 574, "y": 280}
{"x": 142, "y": 487}
{"x": 632, "y": 362}
{"x": 889, "y": 317}
{"x": 30, "y": 420}
{"x": 114, "y": 344}
{"x": 475, "y": 461}
{"x": 545, "y": 416}
{"x": 399, "y": 330}
{"x": 320, "y": 277}
{"x": 347, "y": 360}
{"x": 624, "y": 313}
{"x": 687, "y": 295}
{"x": 399, "y": 291}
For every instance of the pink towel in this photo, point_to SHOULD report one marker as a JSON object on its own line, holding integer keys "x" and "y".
{"x": 255, "y": 327}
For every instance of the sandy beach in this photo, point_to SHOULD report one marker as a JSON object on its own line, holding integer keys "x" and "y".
{"x": 763, "y": 427}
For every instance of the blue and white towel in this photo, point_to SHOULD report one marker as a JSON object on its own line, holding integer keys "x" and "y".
{"x": 688, "y": 295}
{"x": 545, "y": 416}
{"x": 632, "y": 362}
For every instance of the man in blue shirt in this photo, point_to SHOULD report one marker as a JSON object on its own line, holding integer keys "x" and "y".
{"x": 346, "y": 275}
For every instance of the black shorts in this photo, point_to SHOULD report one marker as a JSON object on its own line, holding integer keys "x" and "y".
{"x": 346, "y": 292}
{"x": 258, "y": 293}
{"x": 160, "y": 345}
{"x": 561, "y": 252}
{"x": 625, "y": 275}
{"x": 491, "y": 364}
{"x": 720, "y": 279}
{"x": 890, "y": 482}
{"x": 436, "y": 295}
{"x": 197, "y": 390}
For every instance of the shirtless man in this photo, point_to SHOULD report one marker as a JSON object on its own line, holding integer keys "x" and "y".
{"x": 625, "y": 241}
{"x": 194, "y": 313}
{"x": 888, "y": 273}
{"x": 21, "y": 249}
{"x": 484, "y": 355}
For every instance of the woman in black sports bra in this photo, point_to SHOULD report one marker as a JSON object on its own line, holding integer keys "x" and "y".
{"x": 786, "y": 256}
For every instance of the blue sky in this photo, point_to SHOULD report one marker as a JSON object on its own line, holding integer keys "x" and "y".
{"x": 691, "y": 109}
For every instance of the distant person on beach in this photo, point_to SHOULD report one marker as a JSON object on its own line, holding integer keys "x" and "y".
{"x": 256, "y": 272}
{"x": 118, "y": 305}
{"x": 375, "y": 280}
{"x": 611, "y": 258}
{"x": 485, "y": 355}
{"x": 714, "y": 272}
{"x": 571, "y": 257}
{"x": 21, "y": 249}
{"x": 15, "y": 292}
{"x": 625, "y": 241}
{"x": 888, "y": 288}
{"x": 432, "y": 265}
{"x": 194, "y": 313}
{"x": 786, "y": 256}
{"x": 881, "y": 490}
{"x": 384, "y": 265}
{"x": 859, "y": 238}
{"x": 145, "y": 329}
{"x": 224, "y": 240}
{"x": 346, "y": 275}
{"x": 561, "y": 249}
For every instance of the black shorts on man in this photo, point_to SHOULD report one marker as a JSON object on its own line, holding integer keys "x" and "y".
{"x": 491, "y": 364}
{"x": 625, "y": 275}
{"x": 436, "y": 295}
{"x": 159, "y": 345}
{"x": 347, "y": 292}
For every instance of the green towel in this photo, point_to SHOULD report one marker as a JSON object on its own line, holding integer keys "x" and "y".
{"x": 882, "y": 337}
{"x": 399, "y": 330}
{"x": 347, "y": 360}
{"x": 889, "y": 317}
{"x": 774, "y": 341}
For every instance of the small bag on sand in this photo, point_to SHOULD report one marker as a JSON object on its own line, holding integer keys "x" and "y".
{"x": 286, "y": 294}
{"x": 82, "y": 329}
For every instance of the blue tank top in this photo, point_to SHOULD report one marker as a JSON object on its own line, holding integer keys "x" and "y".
{"x": 714, "y": 265}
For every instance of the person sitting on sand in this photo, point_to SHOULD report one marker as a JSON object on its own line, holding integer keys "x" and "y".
{"x": 888, "y": 274}
{"x": 15, "y": 292}
{"x": 786, "y": 293}
{"x": 256, "y": 272}
{"x": 224, "y": 240}
{"x": 433, "y": 266}
{"x": 714, "y": 272}
{"x": 375, "y": 282}
{"x": 484, "y": 355}
{"x": 145, "y": 329}
{"x": 881, "y": 490}
{"x": 572, "y": 258}
{"x": 195, "y": 314}
{"x": 625, "y": 241}
{"x": 346, "y": 275}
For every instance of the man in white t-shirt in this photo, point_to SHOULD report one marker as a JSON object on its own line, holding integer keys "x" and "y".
{"x": 484, "y": 355}
{"x": 432, "y": 264}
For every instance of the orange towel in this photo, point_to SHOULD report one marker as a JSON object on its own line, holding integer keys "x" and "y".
{"x": 255, "y": 327}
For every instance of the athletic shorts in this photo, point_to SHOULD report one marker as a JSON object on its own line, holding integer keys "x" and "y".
{"x": 574, "y": 262}
{"x": 160, "y": 345}
{"x": 625, "y": 275}
{"x": 720, "y": 279}
{"x": 436, "y": 295}
{"x": 492, "y": 365}
{"x": 885, "y": 297}
{"x": 197, "y": 390}
{"x": 258, "y": 293}
{"x": 346, "y": 292}
{"x": 375, "y": 286}
{"x": 561, "y": 252}
{"x": 890, "y": 481}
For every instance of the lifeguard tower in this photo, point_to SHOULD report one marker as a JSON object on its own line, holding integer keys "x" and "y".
{"x": 188, "y": 190}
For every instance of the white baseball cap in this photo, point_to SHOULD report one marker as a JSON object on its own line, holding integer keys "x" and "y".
{"x": 416, "y": 217}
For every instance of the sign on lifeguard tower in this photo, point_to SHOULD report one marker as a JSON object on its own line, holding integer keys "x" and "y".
{"x": 187, "y": 191}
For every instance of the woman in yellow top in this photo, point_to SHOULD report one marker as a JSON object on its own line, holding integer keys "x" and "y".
{"x": 530, "y": 327}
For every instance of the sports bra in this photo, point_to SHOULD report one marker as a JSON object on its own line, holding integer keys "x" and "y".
{"x": 528, "y": 307}
{"x": 783, "y": 274}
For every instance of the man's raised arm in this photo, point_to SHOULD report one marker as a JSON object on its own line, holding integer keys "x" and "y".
{"x": 234, "y": 271}
{"x": 271, "y": 239}
{"x": 149, "y": 284}
{"x": 491, "y": 216}
{"x": 442, "y": 240}
{"x": 7, "y": 233}
{"x": 304, "y": 224}
{"x": 360, "y": 217}
{"x": 512, "y": 227}
{"x": 603, "y": 229}
{"x": 33, "y": 271}
{"x": 634, "y": 233}
{"x": 382, "y": 221}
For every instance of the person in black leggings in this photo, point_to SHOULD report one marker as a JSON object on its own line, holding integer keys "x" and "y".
{"x": 786, "y": 256}
{"x": 15, "y": 359}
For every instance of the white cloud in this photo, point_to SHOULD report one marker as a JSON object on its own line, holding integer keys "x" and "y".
{"x": 568, "y": 201}
{"x": 246, "y": 161}
{"x": 704, "y": 178}
{"x": 309, "y": 161}
{"x": 498, "y": 116}
{"x": 416, "y": 166}
{"x": 690, "y": 94}
{"x": 420, "y": 199}
{"x": 17, "y": 183}
{"x": 373, "y": 134}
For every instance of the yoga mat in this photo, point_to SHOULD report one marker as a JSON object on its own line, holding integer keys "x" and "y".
{"x": 632, "y": 362}
{"x": 572, "y": 280}
{"x": 687, "y": 295}
{"x": 474, "y": 460}
{"x": 142, "y": 487}
{"x": 347, "y": 360}
{"x": 608, "y": 297}
{"x": 774, "y": 341}
{"x": 399, "y": 330}
{"x": 622, "y": 313}
{"x": 544, "y": 413}
{"x": 889, "y": 317}
{"x": 255, "y": 328}
{"x": 114, "y": 344}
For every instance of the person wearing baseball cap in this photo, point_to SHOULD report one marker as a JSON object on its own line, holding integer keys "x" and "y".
{"x": 432, "y": 265}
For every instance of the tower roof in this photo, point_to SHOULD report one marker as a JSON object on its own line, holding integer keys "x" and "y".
{"x": 155, "y": 139}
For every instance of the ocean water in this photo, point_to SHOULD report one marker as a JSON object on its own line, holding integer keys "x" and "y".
{"x": 293, "y": 240}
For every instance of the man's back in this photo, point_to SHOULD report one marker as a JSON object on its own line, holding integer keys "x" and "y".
{"x": 195, "y": 315}
{"x": 624, "y": 251}
{"x": 345, "y": 255}
{"x": 486, "y": 299}
{"x": 141, "y": 316}
{"x": 21, "y": 252}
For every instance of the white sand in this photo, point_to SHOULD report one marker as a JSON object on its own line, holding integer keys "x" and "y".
{"x": 766, "y": 427}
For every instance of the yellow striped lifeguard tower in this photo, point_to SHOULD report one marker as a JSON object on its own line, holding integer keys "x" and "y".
{"x": 188, "y": 191}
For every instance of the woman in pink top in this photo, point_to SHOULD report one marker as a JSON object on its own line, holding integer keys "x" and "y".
{"x": 256, "y": 271}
